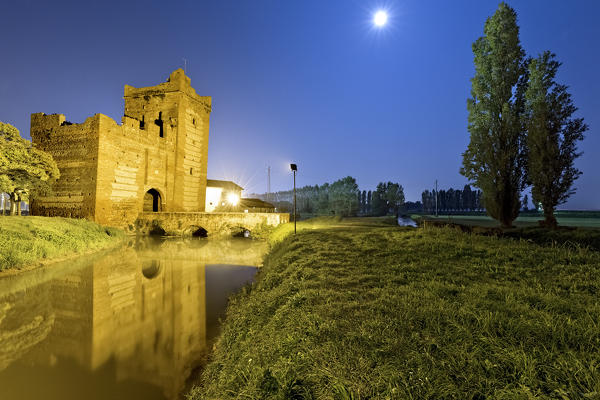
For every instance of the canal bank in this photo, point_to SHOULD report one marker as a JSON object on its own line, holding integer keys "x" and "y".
{"x": 28, "y": 242}
{"x": 352, "y": 308}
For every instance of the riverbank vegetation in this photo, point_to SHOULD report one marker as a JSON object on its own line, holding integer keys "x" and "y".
{"x": 30, "y": 240}
{"x": 352, "y": 310}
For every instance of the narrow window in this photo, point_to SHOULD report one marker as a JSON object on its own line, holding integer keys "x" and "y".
{"x": 191, "y": 171}
{"x": 142, "y": 123}
{"x": 159, "y": 122}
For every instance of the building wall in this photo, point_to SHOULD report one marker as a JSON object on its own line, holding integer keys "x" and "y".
{"x": 107, "y": 168}
{"x": 213, "y": 198}
{"x": 131, "y": 161}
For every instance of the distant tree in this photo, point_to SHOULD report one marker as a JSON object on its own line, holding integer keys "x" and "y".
{"x": 25, "y": 171}
{"x": 363, "y": 202}
{"x": 379, "y": 205}
{"x": 369, "y": 202}
{"x": 467, "y": 198}
{"x": 359, "y": 202}
{"x": 323, "y": 205}
{"x": 426, "y": 201}
{"x": 525, "y": 204}
{"x": 479, "y": 201}
{"x": 344, "y": 196}
{"x": 413, "y": 206}
{"x": 552, "y": 136}
{"x": 450, "y": 200}
{"x": 394, "y": 197}
{"x": 496, "y": 156}
{"x": 388, "y": 197}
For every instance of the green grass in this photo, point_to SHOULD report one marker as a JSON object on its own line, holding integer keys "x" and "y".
{"x": 378, "y": 312}
{"x": 30, "y": 240}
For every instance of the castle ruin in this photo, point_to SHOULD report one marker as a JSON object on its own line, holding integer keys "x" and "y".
{"x": 156, "y": 160}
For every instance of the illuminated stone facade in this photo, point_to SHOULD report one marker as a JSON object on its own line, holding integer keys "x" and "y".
{"x": 155, "y": 160}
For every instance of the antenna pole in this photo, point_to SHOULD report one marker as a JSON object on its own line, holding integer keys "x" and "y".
{"x": 269, "y": 183}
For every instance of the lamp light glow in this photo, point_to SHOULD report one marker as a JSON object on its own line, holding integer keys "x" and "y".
{"x": 233, "y": 199}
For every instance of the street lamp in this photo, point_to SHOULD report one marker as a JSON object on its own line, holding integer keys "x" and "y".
{"x": 294, "y": 168}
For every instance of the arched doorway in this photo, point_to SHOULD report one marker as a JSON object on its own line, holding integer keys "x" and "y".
{"x": 152, "y": 201}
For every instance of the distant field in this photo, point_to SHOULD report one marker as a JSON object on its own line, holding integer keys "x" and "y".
{"x": 567, "y": 218}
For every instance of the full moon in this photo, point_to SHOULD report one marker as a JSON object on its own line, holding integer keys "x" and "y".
{"x": 380, "y": 18}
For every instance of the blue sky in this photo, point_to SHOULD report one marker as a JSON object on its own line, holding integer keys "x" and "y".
{"x": 310, "y": 82}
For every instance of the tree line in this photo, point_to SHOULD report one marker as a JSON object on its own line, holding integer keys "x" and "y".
{"x": 521, "y": 125}
{"x": 452, "y": 200}
{"x": 341, "y": 197}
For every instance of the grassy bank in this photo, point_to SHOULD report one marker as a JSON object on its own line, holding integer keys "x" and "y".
{"x": 30, "y": 240}
{"x": 588, "y": 219}
{"x": 376, "y": 312}
{"x": 582, "y": 234}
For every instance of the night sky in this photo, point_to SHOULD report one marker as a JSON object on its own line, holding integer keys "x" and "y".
{"x": 310, "y": 82}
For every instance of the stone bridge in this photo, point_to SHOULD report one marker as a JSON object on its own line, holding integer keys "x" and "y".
{"x": 213, "y": 224}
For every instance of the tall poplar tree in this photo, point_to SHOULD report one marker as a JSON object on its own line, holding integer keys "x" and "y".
{"x": 495, "y": 158}
{"x": 552, "y": 136}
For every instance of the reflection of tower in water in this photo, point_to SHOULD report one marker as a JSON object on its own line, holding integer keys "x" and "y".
{"x": 127, "y": 321}
{"x": 150, "y": 317}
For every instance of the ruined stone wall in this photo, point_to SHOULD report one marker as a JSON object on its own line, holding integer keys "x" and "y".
{"x": 74, "y": 148}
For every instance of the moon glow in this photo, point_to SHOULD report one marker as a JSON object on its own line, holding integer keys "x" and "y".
{"x": 380, "y": 18}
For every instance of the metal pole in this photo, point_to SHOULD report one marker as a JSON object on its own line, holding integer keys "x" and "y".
{"x": 436, "y": 199}
{"x": 294, "y": 202}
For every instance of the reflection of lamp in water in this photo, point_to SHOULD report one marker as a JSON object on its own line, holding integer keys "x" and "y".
{"x": 233, "y": 199}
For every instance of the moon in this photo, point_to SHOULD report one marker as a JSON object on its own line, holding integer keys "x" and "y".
{"x": 380, "y": 18}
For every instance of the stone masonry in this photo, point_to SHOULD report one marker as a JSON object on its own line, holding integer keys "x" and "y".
{"x": 155, "y": 160}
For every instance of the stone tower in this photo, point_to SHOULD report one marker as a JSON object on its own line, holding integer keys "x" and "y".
{"x": 155, "y": 160}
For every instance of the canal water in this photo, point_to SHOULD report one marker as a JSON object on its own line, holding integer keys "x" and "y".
{"x": 406, "y": 221}
{"x": 133, "y": 323}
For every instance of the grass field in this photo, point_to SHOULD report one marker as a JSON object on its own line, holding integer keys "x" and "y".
{"x": 31, "y": 240}
{"x": 353, "y": 310}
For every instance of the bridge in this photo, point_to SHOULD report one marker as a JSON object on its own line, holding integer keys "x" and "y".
{"x": 203, "y": 224}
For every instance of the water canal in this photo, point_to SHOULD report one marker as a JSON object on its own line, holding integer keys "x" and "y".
{"x": 135, "y": 323}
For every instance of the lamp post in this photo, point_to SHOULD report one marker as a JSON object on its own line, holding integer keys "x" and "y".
{"x": 294, "y": 168}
